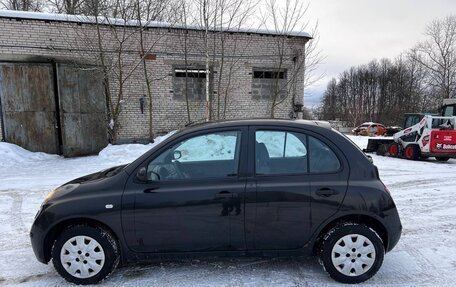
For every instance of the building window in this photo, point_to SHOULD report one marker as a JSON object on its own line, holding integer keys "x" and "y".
{"x": 267, "y": 83}
{"x": 190, "y": 80}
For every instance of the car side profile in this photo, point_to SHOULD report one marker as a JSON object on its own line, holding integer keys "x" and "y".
{"x": 232, "y": 188}
{"x": 369, "y": 129}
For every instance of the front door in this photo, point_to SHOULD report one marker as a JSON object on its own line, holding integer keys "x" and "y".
{"x": 193, "y": 197}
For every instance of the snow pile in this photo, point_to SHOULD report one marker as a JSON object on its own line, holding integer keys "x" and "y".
{"x": 11, "y": 153}
{"x": 360, "y": 141}
{"x": 116, "y": 154}
{"x": 129, "y": 152}
{"x": 124, "y": 152}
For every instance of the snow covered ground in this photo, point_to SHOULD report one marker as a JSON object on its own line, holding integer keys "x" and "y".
{"x": 424, "y": 191}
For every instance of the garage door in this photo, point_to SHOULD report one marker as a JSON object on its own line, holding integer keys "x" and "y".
{"x": 28, "y": 106}
{"x": 63, "y": 113}
{"x": 82, "y": 110}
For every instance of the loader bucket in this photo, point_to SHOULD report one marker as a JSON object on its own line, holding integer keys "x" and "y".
{"x": 373, "y": 145}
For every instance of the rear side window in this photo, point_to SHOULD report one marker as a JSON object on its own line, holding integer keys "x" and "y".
{"x": 280, "y": 152}
{"x": 283, "y": 152}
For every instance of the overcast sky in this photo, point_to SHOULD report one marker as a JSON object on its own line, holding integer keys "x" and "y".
{"x": 353, "y": 32}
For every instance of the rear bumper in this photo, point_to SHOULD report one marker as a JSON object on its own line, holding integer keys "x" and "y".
{"x": 393, "y": 225}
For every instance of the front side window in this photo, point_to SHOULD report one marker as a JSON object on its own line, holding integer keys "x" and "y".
{"x": 214, "y": 155}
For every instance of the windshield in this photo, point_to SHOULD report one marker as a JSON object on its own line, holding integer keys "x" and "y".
{"x": 448, "y": 111}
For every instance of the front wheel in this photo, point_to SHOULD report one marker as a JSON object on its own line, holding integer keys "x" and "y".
{"x": 352, "y": 253}
{"x": 84, "y": 254}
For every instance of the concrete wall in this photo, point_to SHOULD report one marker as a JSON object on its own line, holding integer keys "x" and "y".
{"x": 61, "y": 41}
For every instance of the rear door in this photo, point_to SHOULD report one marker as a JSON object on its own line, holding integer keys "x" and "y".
{"x": 282, "y": 199}
{"x": 328, "y": 173}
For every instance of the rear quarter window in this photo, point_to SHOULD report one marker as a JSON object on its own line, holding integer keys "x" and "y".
{"x": 322, "y": 158}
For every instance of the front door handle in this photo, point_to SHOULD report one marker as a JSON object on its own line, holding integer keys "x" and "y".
{"x": 150, "y": 190}
{"x": 326, "y": 192}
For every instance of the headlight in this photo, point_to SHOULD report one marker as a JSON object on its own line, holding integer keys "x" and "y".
{"x": 60, "y": 191}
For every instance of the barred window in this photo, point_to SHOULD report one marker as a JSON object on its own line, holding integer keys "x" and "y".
{"x": 267, "y": 83}
{"x": 190, "y": 80}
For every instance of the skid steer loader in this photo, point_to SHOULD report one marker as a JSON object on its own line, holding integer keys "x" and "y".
{"x": 423, "y": 136}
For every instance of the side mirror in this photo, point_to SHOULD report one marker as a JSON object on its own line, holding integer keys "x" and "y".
{"x": 177, "y": 154}
{"x": 369, "y": 158}
{"x": 141, "y": 175}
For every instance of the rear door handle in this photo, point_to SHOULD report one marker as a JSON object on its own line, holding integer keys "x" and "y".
{"x": 225, "y": 194}
{"x": 326, "y": 192}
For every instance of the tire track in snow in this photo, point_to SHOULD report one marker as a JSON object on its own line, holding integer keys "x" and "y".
{"x": 420, "y": 182}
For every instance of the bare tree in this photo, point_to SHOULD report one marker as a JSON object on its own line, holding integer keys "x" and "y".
{"x": 22, "y": 5}
{"x": 438, "y": 55}
{"x": 313, "y": 58}
{"x": 151, "y": 10}
{"x": 231, "y": 16}
{"x": 286, "y": 19}
{"x": 71, "y": 7}
{"x": 219, "y": 20}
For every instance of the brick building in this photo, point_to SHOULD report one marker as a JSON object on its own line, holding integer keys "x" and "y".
{"x": 43, "y": 54}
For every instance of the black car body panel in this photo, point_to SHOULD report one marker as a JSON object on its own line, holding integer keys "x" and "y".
{"x": 244, "y": 213}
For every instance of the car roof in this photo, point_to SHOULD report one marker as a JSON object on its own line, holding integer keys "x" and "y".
{"x": 370, "y": 124}
{"x": 259, "y": 121}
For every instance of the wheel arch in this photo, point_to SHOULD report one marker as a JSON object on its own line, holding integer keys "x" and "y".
{"x": 352, "y": 218}
{"x": 54, "y": 232}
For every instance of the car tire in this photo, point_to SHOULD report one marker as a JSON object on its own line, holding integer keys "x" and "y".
{"x": 351, "y": 253}
{"x": 393, "y": 150}
{"x": 412, "y": 152}
{"x": 442, "y": 158}
{"x": 83, "y": 254}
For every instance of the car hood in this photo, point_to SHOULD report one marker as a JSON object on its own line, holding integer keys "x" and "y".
{"x": 105, "y": 173}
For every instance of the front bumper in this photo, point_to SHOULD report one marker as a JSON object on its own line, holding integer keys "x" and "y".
{"x": 38, "y": 237}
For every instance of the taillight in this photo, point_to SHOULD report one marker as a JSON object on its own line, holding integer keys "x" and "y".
{"x": 385, "y": 188}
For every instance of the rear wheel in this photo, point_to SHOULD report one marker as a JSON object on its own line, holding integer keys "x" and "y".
{"x": 84, "y": 254}
{"x": 442, "y": 158}
{"x": 394, "y": 150}
{"x": 352, "y": 253}
{"x": 412, "y": 152}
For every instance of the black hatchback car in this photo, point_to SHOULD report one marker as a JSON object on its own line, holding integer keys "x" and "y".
{"x": 247, "y": 187}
